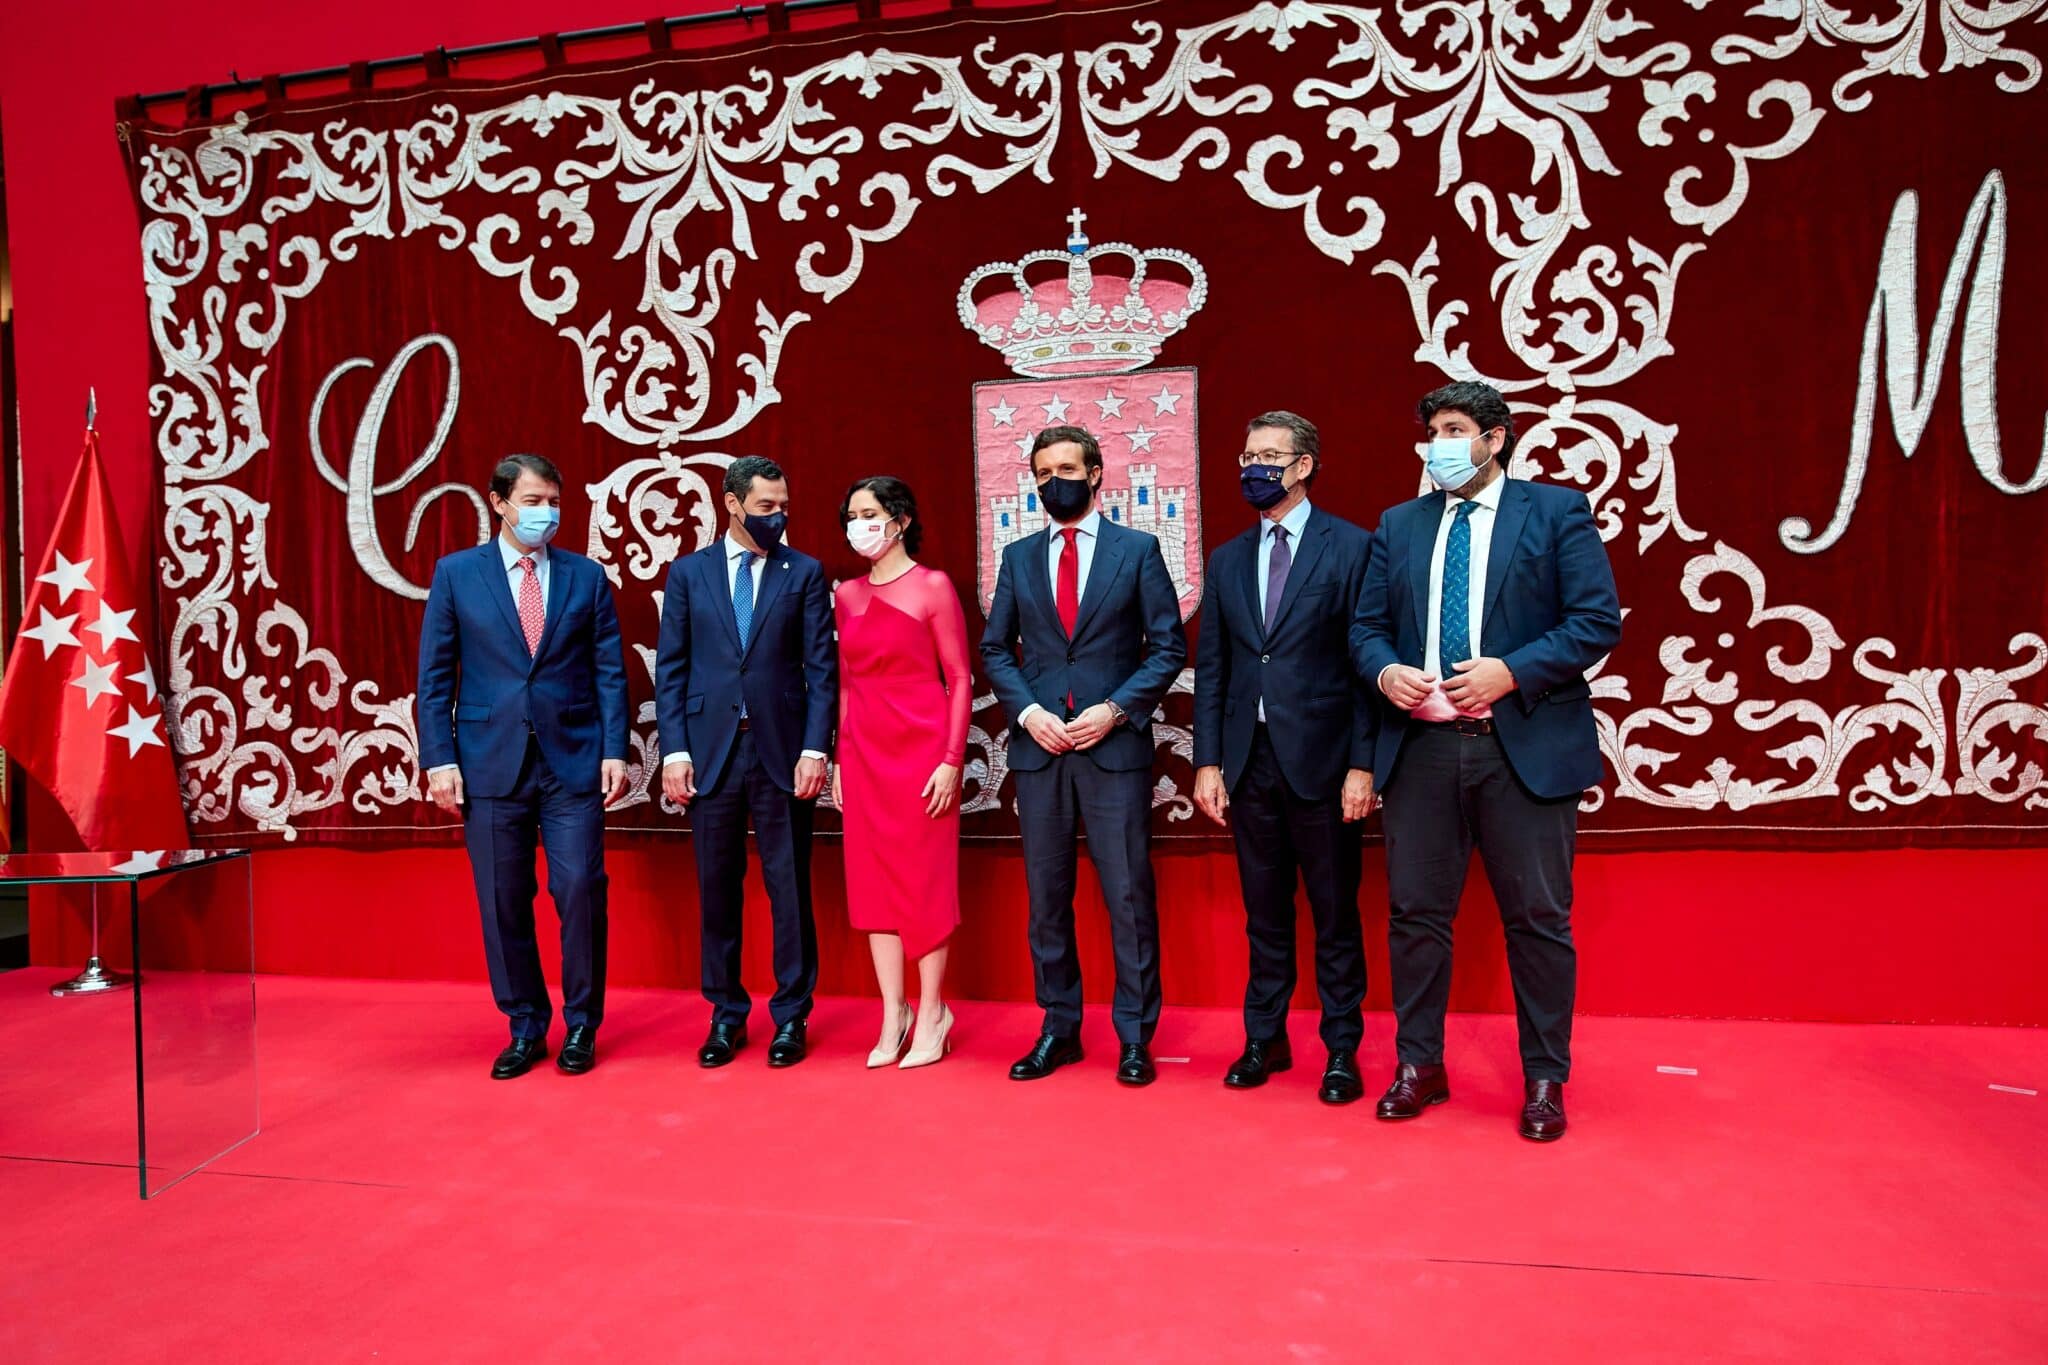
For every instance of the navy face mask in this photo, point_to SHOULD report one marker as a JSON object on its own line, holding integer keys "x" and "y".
{"x": 767, "y": 531}
{"x": 1264, "y": 485}
{"x": 1066, "y": 499}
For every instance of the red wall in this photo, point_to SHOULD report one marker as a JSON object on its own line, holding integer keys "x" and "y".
{"x": 1957, "y": 936}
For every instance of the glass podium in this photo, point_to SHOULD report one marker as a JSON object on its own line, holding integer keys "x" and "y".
{"x": 183, "y": 924}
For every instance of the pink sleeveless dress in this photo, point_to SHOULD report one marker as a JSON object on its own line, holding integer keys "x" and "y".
{"x": 905, "y": 693}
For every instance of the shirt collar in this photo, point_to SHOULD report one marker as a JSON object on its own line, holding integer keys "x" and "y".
{"x": 1487, "y": 497}
{"x": 1295, "y": 522}
{"x": 512, "y": 554}
{"x": 1090, "y": 525}
{"x": 734, "y": 549}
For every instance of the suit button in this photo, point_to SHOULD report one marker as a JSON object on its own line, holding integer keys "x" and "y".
{"x": 743, "y": 670}
{"x": 1265, "y": 658}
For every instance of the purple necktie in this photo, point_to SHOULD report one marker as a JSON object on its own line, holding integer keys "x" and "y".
{"x": 1276, "y": 575}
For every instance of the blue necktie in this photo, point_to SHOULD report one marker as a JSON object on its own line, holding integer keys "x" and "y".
{"x": 1454, "y": 608}
{"x": 743, "y": 596}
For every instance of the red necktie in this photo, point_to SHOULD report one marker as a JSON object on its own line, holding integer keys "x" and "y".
{"x": 1068, "y": 594}
{"x": 532, "y": 615}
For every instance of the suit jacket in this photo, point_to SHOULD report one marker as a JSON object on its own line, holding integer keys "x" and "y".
{"x": 1128, "y": 644}
{"x": 481, "y": 691}
{"x": 787, "y": 675}
{"x": 1550, "y": 613}
{"x": 1319, "y": 715}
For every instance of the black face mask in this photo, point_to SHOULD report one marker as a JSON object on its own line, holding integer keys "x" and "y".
{"x": 767, "y": 531}
{"x": 1066, "y": 499}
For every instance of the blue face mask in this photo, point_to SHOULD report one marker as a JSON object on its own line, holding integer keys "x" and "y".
{"x": 1264, "y": 485}
{"x": 767, "y": 531}
{"x": 1450, "y": 462}
{"x": 536, "y": 526}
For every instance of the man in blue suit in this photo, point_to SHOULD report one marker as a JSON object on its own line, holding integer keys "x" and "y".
{"x": 1484, "y": 605}
{"x": 522, "y": 722}
{"x": 1083, "y": 640}
{"x": 746, "y": 690}
{"x": 1283, "y": 745}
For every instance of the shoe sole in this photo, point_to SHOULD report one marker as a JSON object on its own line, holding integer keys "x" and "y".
{"x": 1327, "y": 1098}
{"x": 515, "y": 1075}
{"x": 726, "y": 1060}
{"x": 1541, "y": 1137}
{"x": 1403, "y": 1118}
{"x": 574, "y": 1068}
{"x": 780, "y": 1062}
{"x": 1135, "y": 1082}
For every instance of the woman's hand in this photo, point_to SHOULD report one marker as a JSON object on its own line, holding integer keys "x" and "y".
{"x": 942, "y": 790}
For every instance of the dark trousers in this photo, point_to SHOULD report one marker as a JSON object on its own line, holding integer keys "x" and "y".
{"x": 1451, "y": 792}
{"x": 1280, "y": 836}
{"x": 782, "y": 829}
{"x": 1116, "y": 810}
{"x": 501, "y": 832}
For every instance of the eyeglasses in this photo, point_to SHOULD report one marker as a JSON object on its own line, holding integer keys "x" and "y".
{"x": 1271, "y": 459}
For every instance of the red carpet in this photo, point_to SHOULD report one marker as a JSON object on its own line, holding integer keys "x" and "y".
{"x": 1816, "y": 1192}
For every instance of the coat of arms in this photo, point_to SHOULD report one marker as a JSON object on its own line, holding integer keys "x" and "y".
{"x": 1079, "y": 338}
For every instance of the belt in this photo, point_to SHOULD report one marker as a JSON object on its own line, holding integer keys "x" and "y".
{"x": 1464, "y": 725}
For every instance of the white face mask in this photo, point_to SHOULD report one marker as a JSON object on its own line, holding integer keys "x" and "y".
{"x": 869, "y": 539}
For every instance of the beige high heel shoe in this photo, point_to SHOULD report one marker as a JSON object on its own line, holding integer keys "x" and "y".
{"x": 886, "y": 1056}
{"x": 938, "y": 1047}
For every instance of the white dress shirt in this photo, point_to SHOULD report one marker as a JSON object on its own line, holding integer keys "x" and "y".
{"x": 1295, "y": 523}
{"x": 1090, "y": 528}
{"x": 735, "y": 556}
{"x": 1486, "y": 506}
{"x": 516, "y": 578}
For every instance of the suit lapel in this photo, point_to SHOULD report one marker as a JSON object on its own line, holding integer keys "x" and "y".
{"x": 1038, "y": 572}
{"x": 558, "y": 592}
{"x": 1102, "y": 572}
{"x": 1429, "y": 514}
{"x": 714, "y": 559}
{"x": 490, "y": 562}
{"x": 1247, "y": 582}
{"x": 1508, "y": 521}
{"x": 775, "y": 572}
{"x": 1313, "y": 536}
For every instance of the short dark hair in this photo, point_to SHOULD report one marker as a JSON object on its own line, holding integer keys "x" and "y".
{"x": 741, "y": 473}
{"x": 1306, "y": 439}
{"x": 1481, "y": 402}
{"x": 1091, "y": 449}
{"x": 896, "y": 499}
{"x": 508, "y": 470}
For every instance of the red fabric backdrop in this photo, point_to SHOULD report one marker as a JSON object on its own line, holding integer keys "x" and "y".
{"x": 1717, "y": 933}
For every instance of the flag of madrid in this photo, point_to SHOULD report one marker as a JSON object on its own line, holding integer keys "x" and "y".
{"x": 81, "y": 708}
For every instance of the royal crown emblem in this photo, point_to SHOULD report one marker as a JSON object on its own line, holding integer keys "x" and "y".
{"x": 1077, "y": 344}
{"x": 1108, "y": 310}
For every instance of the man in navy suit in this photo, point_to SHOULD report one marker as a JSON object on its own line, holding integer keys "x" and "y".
{"x": 1083, "y": 639}
{"x": 746, "y": 690}
{"x": 1484, "y": 605}
{"x": 1283, "y": 745}
{"x": 522, "y": 719}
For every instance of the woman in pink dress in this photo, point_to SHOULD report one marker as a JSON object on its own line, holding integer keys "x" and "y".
{"x": 905, "y": 692}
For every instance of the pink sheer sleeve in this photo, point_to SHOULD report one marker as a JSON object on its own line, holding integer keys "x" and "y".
{"x": 949, "y": 635}
{"x": 839, "y": 614}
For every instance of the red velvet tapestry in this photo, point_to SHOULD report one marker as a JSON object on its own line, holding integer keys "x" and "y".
{"x": 1748, "y": 273}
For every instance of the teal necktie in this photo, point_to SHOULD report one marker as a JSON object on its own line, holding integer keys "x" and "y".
{"x": 1454, "y": 608}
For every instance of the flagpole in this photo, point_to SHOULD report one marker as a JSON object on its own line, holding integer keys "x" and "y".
{"x": 95, "y": 979}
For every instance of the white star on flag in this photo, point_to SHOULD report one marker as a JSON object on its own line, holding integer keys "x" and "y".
{"x": 147, "y": 677}
{"x": 139, "y": 730}
{"x": 1141, "y": 439}
{"x": 67, "y": 577}
{"x": 1055, "y": 411}
{"x": 98, "y": 680}
{"x": 1024, "y": 445}
{"x": 1111, "y": 405}
{"x": 1002, "y": 412}
{"x": 112, "y": 625}
{"x": 1163, "y": 401}
{"x": 51, "y": 631}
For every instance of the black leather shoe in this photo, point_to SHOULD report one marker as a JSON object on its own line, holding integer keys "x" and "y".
{"x": 1135, "y": 1067}
{"x": 1047, "y": 1055}
{"x": 1341, "y": 1082}
{"x": 519, "y": 1058}
{"x": 579, "y": 1050}
{"x": 1415, "y": 1088}
{"x": 787, "y": 1049}
{"x": 1262, "y": 1057}
{"x": 1543, "y": 1110}
{"x": 722, "y": 1044}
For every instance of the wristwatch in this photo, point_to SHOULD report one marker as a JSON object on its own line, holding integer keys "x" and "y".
{"x": 1116, "y": 713}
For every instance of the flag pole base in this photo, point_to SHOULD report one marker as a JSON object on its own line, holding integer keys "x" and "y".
{"x": 94, "y": 980}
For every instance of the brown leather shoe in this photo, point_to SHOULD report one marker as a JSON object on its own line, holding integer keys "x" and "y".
{"x": 1415, "y": 1088}
{"x": 1543, "y": 1111}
